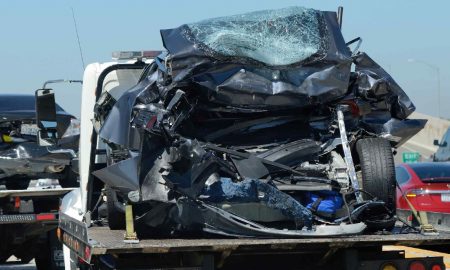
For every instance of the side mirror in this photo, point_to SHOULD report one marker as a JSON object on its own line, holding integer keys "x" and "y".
{"x": 46, "y": 117}
{"x": 436, "y": 142}
{"x": 444, "y": 144}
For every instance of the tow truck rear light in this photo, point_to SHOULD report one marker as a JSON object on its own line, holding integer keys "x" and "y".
{"x": 43, "y": 217}
{"x": 417, "y": 265}
{"x": 415, "y": 192}
{"x": 388, "y": 266}
{"x": 87, "y": 252}
{"x": 58, "y": 233}
{"x": 122, "y": 55}
{"x": 17, "y": 202}
{"x": 436, "y": 267}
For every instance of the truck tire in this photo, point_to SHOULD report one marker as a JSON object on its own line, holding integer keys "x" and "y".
{"x": 69, "y": 179}
{"x": 116, "y": 211}
{"x": 18, "y": 183}
{"x": 377, "y": 170}
{"x": 49, "y": 254}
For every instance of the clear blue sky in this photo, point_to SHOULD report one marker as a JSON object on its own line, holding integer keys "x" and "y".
{"x": 38, "y": 42}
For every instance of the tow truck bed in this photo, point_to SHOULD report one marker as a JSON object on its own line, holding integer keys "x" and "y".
{"x": 106, "y": 241}
{"x": 35, "y": 192}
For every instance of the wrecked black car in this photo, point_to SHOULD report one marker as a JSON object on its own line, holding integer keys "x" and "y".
{"x": 255, "y": 125}
{"x": 21, "y": 157}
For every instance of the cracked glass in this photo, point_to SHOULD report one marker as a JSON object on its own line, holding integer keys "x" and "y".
{"x": 273, "y": 37}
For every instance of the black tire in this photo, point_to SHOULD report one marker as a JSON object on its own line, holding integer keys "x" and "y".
{"x": 43, "y": 257}
{"x": 48, "y": 254}
{"x": 377, "y": 170}
{"x": 116, "y": 210}
{"x": 69, "y": 179}
{"x": 18, "y": 183}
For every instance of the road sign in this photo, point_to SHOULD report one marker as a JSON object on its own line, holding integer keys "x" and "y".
{"x": 411, "y": 157}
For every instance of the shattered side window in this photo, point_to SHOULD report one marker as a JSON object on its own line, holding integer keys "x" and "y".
{"x": 273, "y": 37}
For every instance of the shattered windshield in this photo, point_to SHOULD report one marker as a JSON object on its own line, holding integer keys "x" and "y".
{"x": 273, "y": 37}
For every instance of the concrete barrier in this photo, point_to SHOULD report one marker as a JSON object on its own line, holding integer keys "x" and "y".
{"x": 422, "y": 142}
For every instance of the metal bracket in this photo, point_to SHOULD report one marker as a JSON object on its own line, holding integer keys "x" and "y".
{"x": 348, "y": 154}
{"x": 425, "y": 227}
{"x": 421, "y": 217}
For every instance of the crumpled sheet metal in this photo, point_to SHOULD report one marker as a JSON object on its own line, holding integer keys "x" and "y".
{"x": 28, "y": 158}
{"x": 116, "y": 127}
{"x": 256, "y": 191}
{"x": 205, "y": 115}
{"x": 375, "y": 83}
{"x": 245, "y": 82}
{"x": 220, "y": 222}
{"x": 401, "y": 131}
{"x": 122, "y": 175}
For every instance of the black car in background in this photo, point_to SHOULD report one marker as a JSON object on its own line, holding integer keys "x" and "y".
{"x": 21, "y": 157}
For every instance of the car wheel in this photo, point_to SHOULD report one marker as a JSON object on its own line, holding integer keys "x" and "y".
{"x": 377, "y": 170}
{"x": 116, "y": 210}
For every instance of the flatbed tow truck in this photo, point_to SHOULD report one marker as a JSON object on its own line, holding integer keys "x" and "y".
{"x": 28, "y": 228}
{"x": 356, "y": 252}
{"x": 90, "y": 244}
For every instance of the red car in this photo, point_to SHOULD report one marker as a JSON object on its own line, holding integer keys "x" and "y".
{"x": 426, "y": 185}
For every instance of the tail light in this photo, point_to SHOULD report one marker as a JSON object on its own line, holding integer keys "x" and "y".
{"x": 87, "y": 252}
{"x": 358, "y": 107}
{"x": 412, "y": 193}
{"x": 44, "y": 217}
{"x": 73, "y": 129}
{"x": 436, "y": 267}
{"x": 58, "y": 233}
{"x": 17, "y": 202}
{"x": 416, "y": 265}
{"x": 388, "y": 266}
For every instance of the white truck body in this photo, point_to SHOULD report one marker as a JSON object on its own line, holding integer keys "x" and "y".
{"x": 74, "y": 204}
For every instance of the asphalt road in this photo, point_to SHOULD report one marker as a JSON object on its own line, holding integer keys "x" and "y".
{"x": 13, "y": 264}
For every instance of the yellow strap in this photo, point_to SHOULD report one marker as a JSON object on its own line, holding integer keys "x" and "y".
{"x": 7, "y": 139}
